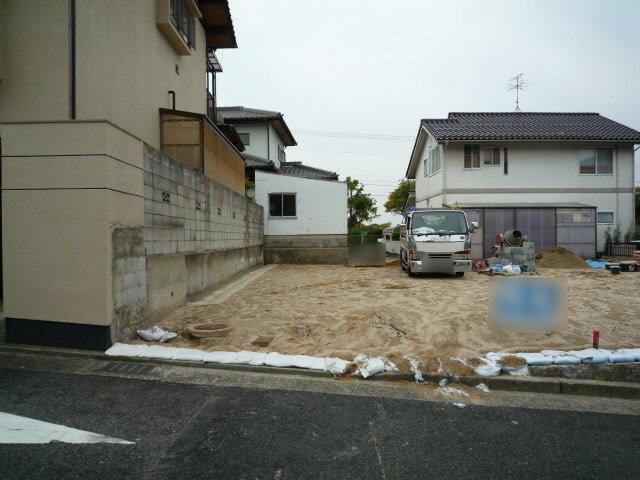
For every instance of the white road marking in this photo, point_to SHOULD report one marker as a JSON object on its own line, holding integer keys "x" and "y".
{"x": 17, "y": 429}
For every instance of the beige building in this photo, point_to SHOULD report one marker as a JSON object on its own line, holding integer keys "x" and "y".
{"x": 121, "y": 198}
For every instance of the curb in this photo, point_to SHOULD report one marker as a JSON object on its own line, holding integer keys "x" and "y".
{"x": 567, "y": 386}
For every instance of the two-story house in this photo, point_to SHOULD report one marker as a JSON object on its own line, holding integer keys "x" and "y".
{"x": 121, "y": 196}
{"x": 560, "y": 178}
{"x": 305, "y": 208}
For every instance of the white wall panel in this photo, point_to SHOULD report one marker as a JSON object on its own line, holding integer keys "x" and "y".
{"x": 321, "y": 206}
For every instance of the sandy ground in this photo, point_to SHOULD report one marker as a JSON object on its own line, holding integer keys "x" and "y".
{"x": 342, "y": 311}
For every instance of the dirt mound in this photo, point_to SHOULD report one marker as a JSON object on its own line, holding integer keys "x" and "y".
{"x": 559, "y": 257}
{"x": 513, "y": 361}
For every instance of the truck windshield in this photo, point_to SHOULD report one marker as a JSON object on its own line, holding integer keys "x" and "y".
{"x": 439, "y": 223}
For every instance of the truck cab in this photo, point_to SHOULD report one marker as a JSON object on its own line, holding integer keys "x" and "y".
{"x": 436, "y": 241}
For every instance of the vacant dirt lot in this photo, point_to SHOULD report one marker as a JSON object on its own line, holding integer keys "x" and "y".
{"x": 343, "y": 311}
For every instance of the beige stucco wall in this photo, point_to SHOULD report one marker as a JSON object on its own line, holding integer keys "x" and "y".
{"x": 126, "y": 67}
{"x": 34, "y": 60}
{"x": 66, "y": 185}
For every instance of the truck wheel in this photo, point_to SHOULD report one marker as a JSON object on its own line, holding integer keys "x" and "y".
{"x": 402, "y": 265}
{"x": 459, "y": 274}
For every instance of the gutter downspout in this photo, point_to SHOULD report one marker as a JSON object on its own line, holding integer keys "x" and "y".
{"x": 72, "y": 53}
{"x": 617, "y": 190}
{"x": 444, "y": 173}
{"x": 268, "y": 142}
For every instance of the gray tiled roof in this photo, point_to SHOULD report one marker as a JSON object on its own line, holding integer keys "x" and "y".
{"x": 238, "y": 115}
{"x": 226, "y": 114}
{"x": 252, "y": 161}
{"x": 297, "y": 169}
{"x": 529, "y": 126}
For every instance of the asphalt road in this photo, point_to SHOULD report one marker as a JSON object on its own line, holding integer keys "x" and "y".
{"x": 256, "y": 431}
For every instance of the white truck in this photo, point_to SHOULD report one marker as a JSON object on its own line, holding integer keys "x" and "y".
{"x": 436, "y": 241}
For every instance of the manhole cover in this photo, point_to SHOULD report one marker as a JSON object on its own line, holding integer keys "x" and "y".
{"x": 120, "y": 367}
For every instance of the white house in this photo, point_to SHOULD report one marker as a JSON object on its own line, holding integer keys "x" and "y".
{"x": 561, "y": 178}
{"x": 305, "y": 208}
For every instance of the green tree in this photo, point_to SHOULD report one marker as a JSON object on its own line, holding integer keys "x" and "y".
{"x": 361, "y": 206}
{"x": 398, "y": 197}
{"x": 607, "y": 236}
{"x": 616, "y": 234}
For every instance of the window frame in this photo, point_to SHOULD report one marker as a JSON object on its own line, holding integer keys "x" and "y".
{"x": 282, "y": 156}
{"x": 493, "y": 151}
{"x": 282, "y": 194}
{"x": 596, "y": 150}
{"x": 434, "y": 161}
{"x": 464, "y": 156}
{"x": 183, "y": 21}
{"x": 248, "y": 136}
{"x": 605, "y": 223}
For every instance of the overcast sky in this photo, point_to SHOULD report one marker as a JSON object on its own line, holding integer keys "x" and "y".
{"x": 373, "y": 67}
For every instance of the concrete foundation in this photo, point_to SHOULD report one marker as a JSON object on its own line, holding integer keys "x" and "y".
{"x": 177, "y": 279}
{"x": 317, "y": 249}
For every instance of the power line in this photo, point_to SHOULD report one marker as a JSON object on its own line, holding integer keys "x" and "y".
{"x": 355, "y": 136}
{"x": 354, "y": 153}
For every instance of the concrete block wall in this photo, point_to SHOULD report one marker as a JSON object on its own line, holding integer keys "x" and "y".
{"x": 197, "y": 232}
{"x": 187, "y": 212}
{"x": 129, "y": 271}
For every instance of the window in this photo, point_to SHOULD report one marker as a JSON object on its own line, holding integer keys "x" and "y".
{"x": 506, "y": 161}
{"x": 281, "y": 154}
{"x": 183, "y": 20}
{"x": 282, "y": 204}
{"x": 605, "y": 217}
{"x": 245, "y": 138}
{"x": 492, "y": 157}
{"x": 433, "y": 162}
{"x": 596, "y": 161}
{"x": 472, "y": 156}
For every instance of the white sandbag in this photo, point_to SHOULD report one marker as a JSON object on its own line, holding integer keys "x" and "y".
{"x": 415, "y": 369}
{"x": 275, "y": 359}
{"x": 488, "y": 368}
{"x": 496, "y": 356}
{"x": 592, "y": 355}
{"x": 337, "y": 366}
{"x": 125, "y": 350}
{"x": 190, "y": 355}
{"x": 368, "y": 366}
{"x": 621, "y": 357}
{"x": 561, "y": 357}
{"x": 535, "y": 359}
{"x": 157, "y": 334}
{"x": 309, "y": 362}
{"x": 221, "y": 357}
{"x": 251, "y": 358}
{"x": 158, "y": 352}
{"x": 483, "y": 388}
{"x": 634, "y": 352}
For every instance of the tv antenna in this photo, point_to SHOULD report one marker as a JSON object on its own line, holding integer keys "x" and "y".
{"x": 518, "y": 83}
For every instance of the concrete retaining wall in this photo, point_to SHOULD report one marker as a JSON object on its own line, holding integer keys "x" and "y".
{"x": 177, "y": 279}
{"x": 319, "y": 249}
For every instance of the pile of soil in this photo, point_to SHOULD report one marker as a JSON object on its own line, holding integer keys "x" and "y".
{"x": 559, "y": 257}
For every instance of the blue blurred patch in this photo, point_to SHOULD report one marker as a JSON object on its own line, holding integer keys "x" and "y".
{"x": 528, "y": 303}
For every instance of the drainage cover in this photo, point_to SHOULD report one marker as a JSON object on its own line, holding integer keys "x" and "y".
{"x": 120, "y": 367}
